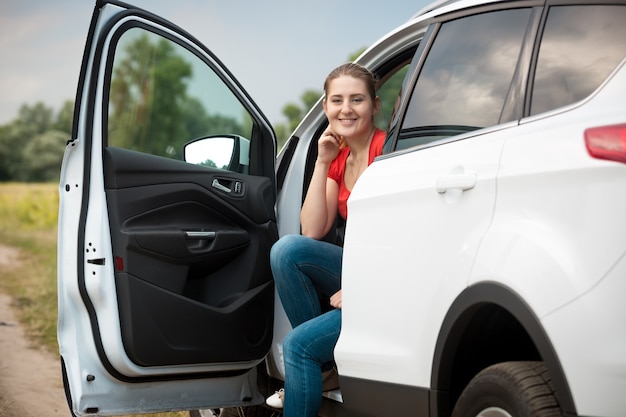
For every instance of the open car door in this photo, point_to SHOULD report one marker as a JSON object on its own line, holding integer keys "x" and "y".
{"x": 166, "y": 219}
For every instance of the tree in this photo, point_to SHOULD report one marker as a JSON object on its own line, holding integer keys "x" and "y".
{"x": 64, "y": 118}
{"x": 309, "y": 98}
{"x": 34, "y": 141}
{"x": 148, "y": 93}
{"x": 356, "y": 54}
{"x": 35, "y": 119}
{"x": 41, "y": 157}
{"x": 388, "y": 94}
{"x": 142, "y": 116}
{"x": 282, "y": 131}
{"x": 7, "y": 161}
{"x": 31, "y": 121}
{"x": 294, "y": 114}
{"x": 151, "y": 106}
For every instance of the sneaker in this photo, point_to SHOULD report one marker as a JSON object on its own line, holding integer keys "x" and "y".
{"x": 277, "y": 399}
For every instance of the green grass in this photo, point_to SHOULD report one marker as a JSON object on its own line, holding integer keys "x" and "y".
{"x": 28, "y": 214}
{"x": 28, "y": 222}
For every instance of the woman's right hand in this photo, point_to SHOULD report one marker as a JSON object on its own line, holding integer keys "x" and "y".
{"x": 335, "y": 300}
{"x": 328, "y": 146}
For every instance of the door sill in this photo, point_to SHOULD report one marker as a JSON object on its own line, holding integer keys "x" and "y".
{"x": 334, "y": 395}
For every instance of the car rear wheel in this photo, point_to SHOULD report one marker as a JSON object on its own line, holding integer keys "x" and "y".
{"x": 520, "y": 389}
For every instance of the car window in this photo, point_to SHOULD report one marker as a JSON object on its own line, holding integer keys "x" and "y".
{"x": 466, "y": 77}
{"x": 162, "y": 96}
{"x": 388, "y": 93}
{"x": 581, "y": 46}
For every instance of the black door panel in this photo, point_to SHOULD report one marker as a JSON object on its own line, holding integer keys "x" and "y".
{"x": 125, "y": 169}
{"x": 192, "y": 261}
{"x": 160, "y": 327}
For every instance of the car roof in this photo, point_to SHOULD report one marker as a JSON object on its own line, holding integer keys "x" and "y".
{"x": 433, "y": 6}
{"x": 441, "y": 6}
{"x": 421, "y": 18}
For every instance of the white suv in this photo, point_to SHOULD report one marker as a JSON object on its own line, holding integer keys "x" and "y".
{"x": 484, "y": 259}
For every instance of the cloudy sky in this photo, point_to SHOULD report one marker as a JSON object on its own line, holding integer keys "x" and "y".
{"x": 276, "y": 48}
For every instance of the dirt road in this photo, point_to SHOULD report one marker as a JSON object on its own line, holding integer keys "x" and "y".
{"x": 30, "y": 378}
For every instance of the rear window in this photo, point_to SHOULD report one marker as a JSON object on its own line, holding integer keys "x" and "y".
{"x": 580, "y": 47}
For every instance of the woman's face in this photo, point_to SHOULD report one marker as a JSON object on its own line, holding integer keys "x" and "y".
{"x": 349, "y": 108}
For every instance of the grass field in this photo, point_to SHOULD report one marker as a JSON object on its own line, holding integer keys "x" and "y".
{"x": 28, "y": 221}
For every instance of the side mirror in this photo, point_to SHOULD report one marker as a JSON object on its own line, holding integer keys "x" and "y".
{"x": 228, "y": 152}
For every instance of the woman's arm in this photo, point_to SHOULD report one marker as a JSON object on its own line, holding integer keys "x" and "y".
{"x": 320, "y": 205}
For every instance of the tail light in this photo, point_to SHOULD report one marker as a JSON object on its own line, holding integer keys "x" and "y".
{"x": 607, "y": 142}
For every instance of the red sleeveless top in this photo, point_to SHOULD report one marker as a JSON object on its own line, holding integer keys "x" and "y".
{"x": 338, "y": 167}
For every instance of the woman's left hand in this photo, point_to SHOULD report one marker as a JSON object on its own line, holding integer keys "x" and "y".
{"x": 335, "y": 299}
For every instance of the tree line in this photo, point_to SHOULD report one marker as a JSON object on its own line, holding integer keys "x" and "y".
{"x": 150, "y": 109}
{"x": 32, "y": 145}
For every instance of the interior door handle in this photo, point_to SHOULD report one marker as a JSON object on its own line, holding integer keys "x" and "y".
{"x": 460, "y": 182}
{"x": 202, "y": 235}
{"x": 217, "y": 184}
{"x": 228, "y": 186}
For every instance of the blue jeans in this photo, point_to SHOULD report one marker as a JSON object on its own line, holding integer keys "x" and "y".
{"x": 303, "y": 270}
{"x": 306, "y": 348}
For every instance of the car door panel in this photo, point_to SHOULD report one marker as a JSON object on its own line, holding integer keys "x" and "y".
{"x": 166, "y": 265}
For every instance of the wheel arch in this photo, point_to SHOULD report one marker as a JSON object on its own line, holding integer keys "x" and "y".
{"x": 486, "y": 324}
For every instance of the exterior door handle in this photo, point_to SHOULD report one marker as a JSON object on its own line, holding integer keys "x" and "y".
{"x": 462, "y": 182}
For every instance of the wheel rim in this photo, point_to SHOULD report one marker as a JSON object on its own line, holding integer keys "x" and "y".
{"x": 493, "y": 412}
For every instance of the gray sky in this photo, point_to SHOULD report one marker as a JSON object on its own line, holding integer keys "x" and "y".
{"x": 276, "y": 48}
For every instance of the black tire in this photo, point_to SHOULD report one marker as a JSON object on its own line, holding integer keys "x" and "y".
{"x": 518, "y": 389}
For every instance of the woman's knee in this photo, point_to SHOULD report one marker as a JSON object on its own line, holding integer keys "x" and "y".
{"x": 288, "y": 243}
{"x": 315, "y": 339}
{"x": 287, "y": 248}
{"x": 281, "y": 245}
{"x": 280, "y": 253}
{"x": 292, "y": 346}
